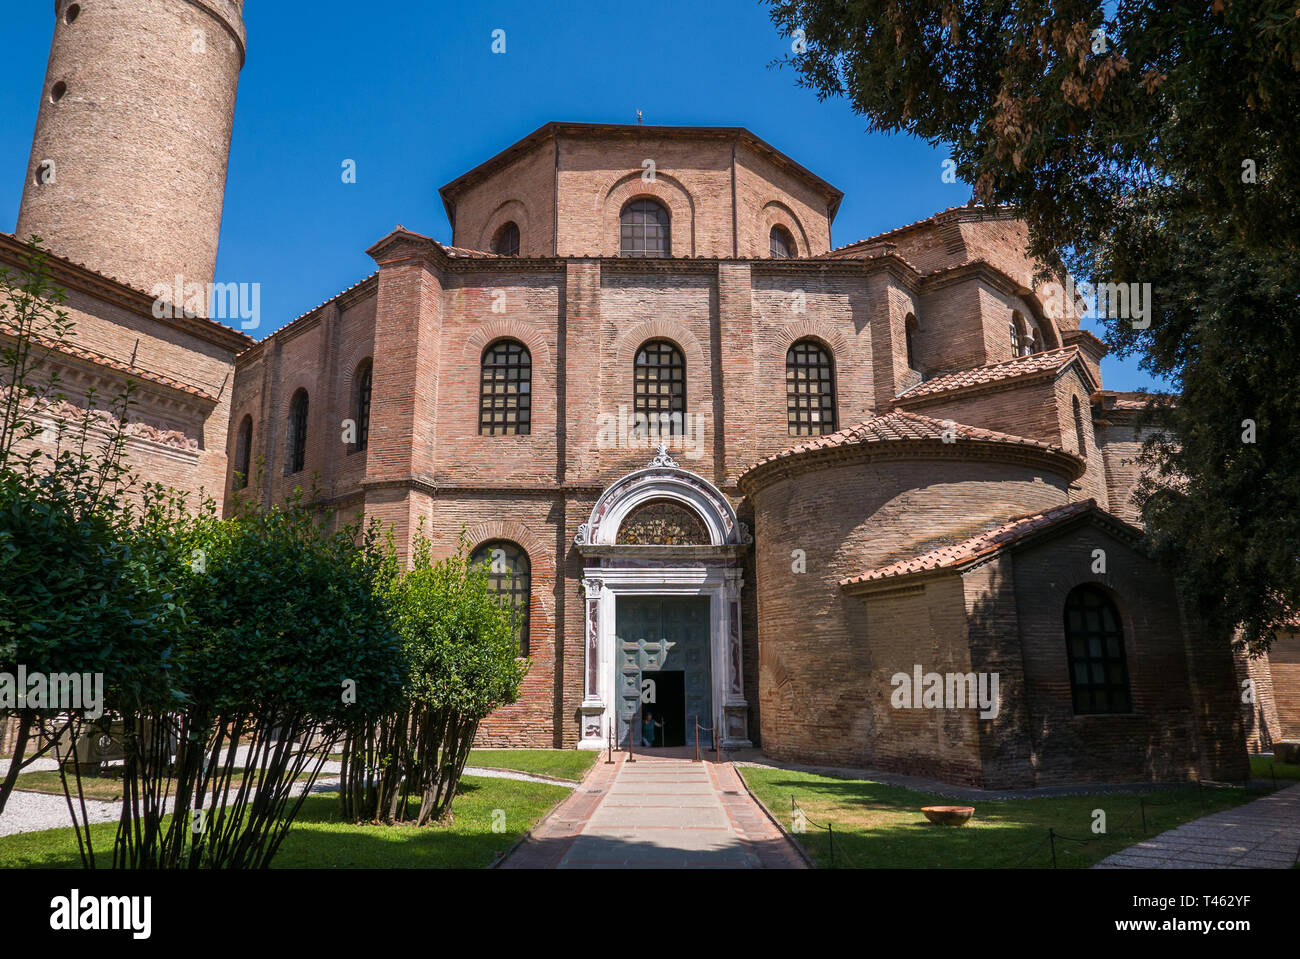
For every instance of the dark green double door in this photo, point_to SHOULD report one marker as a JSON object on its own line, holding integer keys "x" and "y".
{"x": 664, "y": 672}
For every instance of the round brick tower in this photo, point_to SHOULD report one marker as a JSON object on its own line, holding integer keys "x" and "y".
{"x": 128, "y": 166}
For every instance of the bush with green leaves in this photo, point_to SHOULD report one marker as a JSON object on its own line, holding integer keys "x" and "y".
{"x": 461, "y": 653}
{"x": 287, "y": 644}
{"x": 234, "y": 652}
{"x": 81, "y": 594}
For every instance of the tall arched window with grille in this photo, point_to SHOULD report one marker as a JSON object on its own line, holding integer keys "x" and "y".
{"x": 1019, "y": 334}
{"x": 365, "y": 381}
{"x": 809, "y": 389}
{"x": 505, "y": 390}
{"x": 780, "y": 243}
{"x": 510, "y": 573}
{"x": 1094, "y": 636}
{"x": 659, "y": 387}
{"x": 644, "y": 229}
{"x": 506, "y": 240}
{"x": 243, "y": 453}
{"x": 295, "y": 445}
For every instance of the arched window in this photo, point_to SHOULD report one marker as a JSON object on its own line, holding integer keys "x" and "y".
{"x": 1079, "y": 434}
{"x": 809, "y": 389}
{"x": 659, "y": 387}
{"x": 909, "y": 333}
{"x": 506, "y": 242}
{"x": 243, "y": 453}
{"x": 511, "y": 576}
{"x": 643, "y": 229}
{"x": 505, "y": 390}
{"x": 364, "y": 381}
{"x": 1019, "y": 334}
{"x": 295, "y": 446}
{"x": 1094, "y": 639}
{"x": 781, "y": 243}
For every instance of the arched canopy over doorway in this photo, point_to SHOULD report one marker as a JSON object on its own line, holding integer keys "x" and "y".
{"x": 662, "y": 535}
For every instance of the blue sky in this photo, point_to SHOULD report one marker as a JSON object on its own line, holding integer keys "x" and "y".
{"x": 413, "y": 93}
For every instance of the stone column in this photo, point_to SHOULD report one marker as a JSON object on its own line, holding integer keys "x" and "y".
{"x": 735, "y": 710}
{"x": 593, "y": 708}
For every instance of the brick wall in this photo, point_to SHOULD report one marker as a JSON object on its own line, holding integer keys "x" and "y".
{"x": 139, "y": 141}
{"x": 427, "y": 318}
{"x": 182, "y": 368}
{"x": 1284, "y": 662}
{"x": 816, "y": 644}
{"x": 1259, "y": 711}
{"x": 565, "y": 188}
{"x": 1185, "y": 722}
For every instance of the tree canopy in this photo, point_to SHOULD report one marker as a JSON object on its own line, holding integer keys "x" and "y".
{"x": 1144, "y": 141}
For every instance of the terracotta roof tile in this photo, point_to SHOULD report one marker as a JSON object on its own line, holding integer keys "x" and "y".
{"x": 1046, "y": 362}
{"x": 847, "y": 249}
{"x": 1112, "y": 400}
{"x": 126, "y": 286}
{"x": 99, "y": 359}
{"x": 901, "y": 425}
{"x": 977, "y": 546}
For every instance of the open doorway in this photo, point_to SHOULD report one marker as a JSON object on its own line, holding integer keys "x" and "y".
{"x": 663, "y": 722}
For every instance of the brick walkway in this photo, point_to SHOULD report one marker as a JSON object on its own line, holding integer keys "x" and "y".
{"x": 662, "y": 811}
{"x": 1264, "y": 834}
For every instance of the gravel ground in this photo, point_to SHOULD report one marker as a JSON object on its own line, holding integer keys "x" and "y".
{"x": 31, "y": 812}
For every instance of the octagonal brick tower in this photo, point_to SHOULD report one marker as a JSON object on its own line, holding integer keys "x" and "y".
{"x": 128, "y": 166}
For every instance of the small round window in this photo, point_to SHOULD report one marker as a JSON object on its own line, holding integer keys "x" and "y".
{"x": 72, "y": 13}
{"x": 57, "y": 91}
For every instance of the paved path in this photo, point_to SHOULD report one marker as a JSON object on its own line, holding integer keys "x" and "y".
{"x": 1264, "y": 834}
{"x": 661, "y": 811}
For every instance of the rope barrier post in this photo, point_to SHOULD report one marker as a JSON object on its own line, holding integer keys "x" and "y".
{"x": 697, "y": 738}
{"x": 609, "y": 746}
{"x": 630, "y": 730}
{"x": 830, "y": 829}
{"x": 1051, "y": 837}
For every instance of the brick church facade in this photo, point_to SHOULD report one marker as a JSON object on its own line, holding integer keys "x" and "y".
{"x": 709, "y": 455}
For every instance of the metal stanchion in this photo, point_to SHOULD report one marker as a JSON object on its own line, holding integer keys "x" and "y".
{"x": 609, "y": 756}
{"x": 630, "y": 729}
{"x": 697, "y": 738}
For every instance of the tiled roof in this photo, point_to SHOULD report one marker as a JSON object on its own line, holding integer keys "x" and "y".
{"x": 99, "y": 359}
{"x": 1047, "y": 362}
{"x": 1112, "y": 400}
{"x": 200, "y": 320}
{"x": 847, "y": 248}
{"x": 977, "y": 546}
{"x": 303, "y": 316}
{"x": 901, "y": 425}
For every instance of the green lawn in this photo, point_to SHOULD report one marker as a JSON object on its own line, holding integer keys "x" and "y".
{"x": 107, "y": 788}
{"x": 570, "y": 764}
{"x": 1260, "y": 769}
{"x": 318, "y": 840}
{"x": 567, "y": 764}
{"x": 882, "y": 826}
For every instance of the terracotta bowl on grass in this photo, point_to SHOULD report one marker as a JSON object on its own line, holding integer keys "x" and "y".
{"x": 948, "y": 815}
